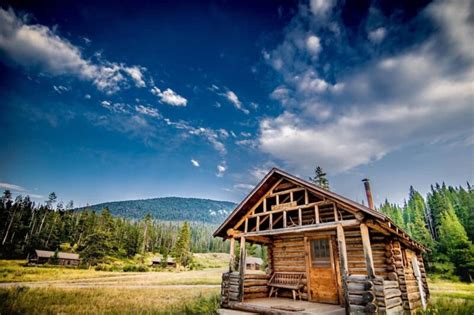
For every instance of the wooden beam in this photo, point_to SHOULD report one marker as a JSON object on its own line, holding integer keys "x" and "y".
{"x": 335, "y": 212}
{"x": 242, "y": 267}
{"x": 309, "y": 205}
{"x": 364, "y": 233}
{"x": 258, "y": 239}
{"x": 284, "y": 219}
{"x": 252, "y": 210}
{"x": 277, "y": 199}
{"x": 265, "y": 205}
{"x": 300, "y": 217}
{"x": 343, "y": 263}
{"x": 304, "y": 228}
{"x": 306, "y": 198}
{"x": 284, "y": 192}
{"x": 258, "y": 224}
{"x": 270, "y": 225}
{"x": 246, "y": 229}
{"x": 232, "y": 255}
{"x": 316, "y": 214}
{"x": 291, "y": 196}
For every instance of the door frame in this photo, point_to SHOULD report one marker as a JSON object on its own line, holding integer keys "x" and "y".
{"x": 334, "y": 263}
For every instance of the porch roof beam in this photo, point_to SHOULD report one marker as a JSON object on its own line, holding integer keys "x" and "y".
{"x": 304, "y": 228}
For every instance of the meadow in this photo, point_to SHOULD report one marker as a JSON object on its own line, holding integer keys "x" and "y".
{"x": 52, "y": 290}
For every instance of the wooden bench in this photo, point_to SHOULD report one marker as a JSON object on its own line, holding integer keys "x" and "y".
{"x": 286, "y": 280}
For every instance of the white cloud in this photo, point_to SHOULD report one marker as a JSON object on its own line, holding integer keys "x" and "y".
{"x": 20, "y": 190}
{"x": 87, "y": 96}
{"x": 38, "y": 47}
{"x": 195, "y": 163}
{"x": 321, "y": 7}
{"x": 169, "y": 96}
{"x": 115, "y": 107}
{"x": 313, "y": 45}
{"x": 377, "y": 35}
{"x": 12, "y": 187}
{"x": 60, "y": 89}
{"x": 136, "y": 73}
{"x": 147, "y": 110}
{"x": 232, "y": 97}
{"x": 221, "y": 169}
{"x": 414, "y": 97}
{"x": 210, "y": 135}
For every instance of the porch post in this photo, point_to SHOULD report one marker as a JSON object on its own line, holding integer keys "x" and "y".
{"x": 232, "y": 255}
{"x": 364, "y": 232}
{"x": 242, "y": 267}
{"x": 341, "y": 242}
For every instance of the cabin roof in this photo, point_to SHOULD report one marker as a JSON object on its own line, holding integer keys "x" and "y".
{"x": 61, "y": 255}
{"x": 158, "y": 260}
{"x": 270, "y": 179}
{"x": 254, "y": 260}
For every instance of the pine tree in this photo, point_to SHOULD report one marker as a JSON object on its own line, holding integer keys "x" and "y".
{"x": 416, "y": 208}
{"x": 320, "y": 178}
{"x": 181, "y": 251}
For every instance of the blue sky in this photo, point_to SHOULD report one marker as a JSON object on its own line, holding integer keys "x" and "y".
{"x": 103, "y": 102}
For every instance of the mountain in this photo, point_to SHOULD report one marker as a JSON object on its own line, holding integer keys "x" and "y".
{"x": 169, "y": 209}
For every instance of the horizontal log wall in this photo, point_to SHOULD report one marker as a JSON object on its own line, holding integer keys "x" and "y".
{"x": 379, "y": 244}
{"x": 289, "y": 256}
{"x": 355, "y": 254}
{"x": 362, "y": 293}
{"x": 230, "y": 288}
{"x": 255, "y": 286}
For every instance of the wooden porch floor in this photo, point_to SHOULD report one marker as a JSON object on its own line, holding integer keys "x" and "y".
{"x": 283, "y": 306}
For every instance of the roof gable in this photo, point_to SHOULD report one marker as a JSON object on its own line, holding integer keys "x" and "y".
{"x": 271, "y": 180}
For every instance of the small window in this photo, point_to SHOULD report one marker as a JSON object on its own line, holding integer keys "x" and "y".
{"x": 320, "y": 253}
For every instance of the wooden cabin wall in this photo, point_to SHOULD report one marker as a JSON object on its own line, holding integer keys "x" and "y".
{"x": 289, "y": 256}
{"x": 355, "y": 253}
{"x": 379, "y": 242}
{"x": 255, "y": 285}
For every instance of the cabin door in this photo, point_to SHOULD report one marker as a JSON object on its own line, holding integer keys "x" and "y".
{"x": 323, "y": 286}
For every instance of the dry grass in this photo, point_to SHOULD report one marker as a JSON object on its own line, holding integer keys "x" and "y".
{"x": 15, "y": 271}
{"x": 105, "y": 301}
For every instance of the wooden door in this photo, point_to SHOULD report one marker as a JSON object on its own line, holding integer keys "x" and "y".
{"x": 321, "y": 267}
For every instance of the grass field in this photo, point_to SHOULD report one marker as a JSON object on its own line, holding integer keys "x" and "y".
{"x": 15, "y": 270}
{"x": 49, "y": 290}
{"x": 23, "y": 300}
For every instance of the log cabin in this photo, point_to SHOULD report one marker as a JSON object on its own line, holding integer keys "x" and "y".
{"x": 325, "y": 253}
{"x": 45, "y": 256}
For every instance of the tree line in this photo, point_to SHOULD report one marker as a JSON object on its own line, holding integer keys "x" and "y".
{"x": 26, "y": 226}
{"x": 444, "y": 223}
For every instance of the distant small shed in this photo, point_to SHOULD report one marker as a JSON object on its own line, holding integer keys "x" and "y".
{"x": 253, "y": 263}
{"x": 47, "y": 256}
{"x": 156, "y": 261}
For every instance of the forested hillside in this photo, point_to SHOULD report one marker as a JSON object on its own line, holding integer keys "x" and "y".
{"x": 169, "y": 209}
{"x": 444, "y": 222}
{"x": 25, "y": 226}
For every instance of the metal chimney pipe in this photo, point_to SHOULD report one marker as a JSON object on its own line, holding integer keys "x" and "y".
{"x": 368, "y": 192}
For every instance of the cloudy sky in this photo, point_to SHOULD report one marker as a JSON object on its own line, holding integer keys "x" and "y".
{"x": 101, "y": 102}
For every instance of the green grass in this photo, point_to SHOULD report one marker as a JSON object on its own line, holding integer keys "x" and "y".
{"x": 450, "y": 298}
{"x": 22, "y": 300}
{"x": 448, "y": 289}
